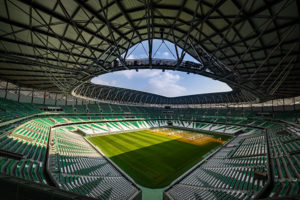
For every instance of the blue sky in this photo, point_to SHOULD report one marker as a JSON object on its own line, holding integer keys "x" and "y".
{"x": 168, "y": 83}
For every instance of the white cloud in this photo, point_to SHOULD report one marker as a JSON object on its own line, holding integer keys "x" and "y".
{"x": 147, "y": 73}
{"x": 114, "y": 82}
{"x": 142, "y": 55}
{"x": 166, "y": 54}
{"x": 102, "y": 82}
{"x": 128, "y": 73}
{"x": 131, "y": 56}
{"x": 167, "y": 84}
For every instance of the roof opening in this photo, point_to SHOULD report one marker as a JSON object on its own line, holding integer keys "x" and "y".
{"x": 167, "y": 83}
{"x": 161, "y": 49}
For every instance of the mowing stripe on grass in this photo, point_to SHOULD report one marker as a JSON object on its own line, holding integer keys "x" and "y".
{"x": 148, "y": 138}
{"x": 152, "y": 160}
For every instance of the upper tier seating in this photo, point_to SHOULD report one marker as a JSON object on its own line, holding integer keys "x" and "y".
{"x": 109, "y": 127}
{"x": 68, "y": 109}
{"x": 93, "y": 108}
{"x": 10, "y": 110}
{"x": 218, "y": 128}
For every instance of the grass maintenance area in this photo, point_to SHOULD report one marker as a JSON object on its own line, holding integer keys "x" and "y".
{"x": 156, "y": 157}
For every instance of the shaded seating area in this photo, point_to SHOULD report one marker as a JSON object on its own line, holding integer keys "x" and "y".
{"x": 77, "y": 167}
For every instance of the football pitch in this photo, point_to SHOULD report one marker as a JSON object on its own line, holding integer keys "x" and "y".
{"x": 155, "y": 158}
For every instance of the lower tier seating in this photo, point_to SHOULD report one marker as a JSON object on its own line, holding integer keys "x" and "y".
{"x": 76, "y": 166}
{"x": 285, "y": 162}
{"x": 189, "y": 192}
{"x": 228, "y": 174}
{"x": 30, "y": 141}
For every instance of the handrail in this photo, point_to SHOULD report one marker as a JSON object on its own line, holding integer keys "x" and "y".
{"x": 266, "y": 189}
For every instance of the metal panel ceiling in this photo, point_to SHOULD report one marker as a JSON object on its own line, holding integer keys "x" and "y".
{"x": 254, "y": 46}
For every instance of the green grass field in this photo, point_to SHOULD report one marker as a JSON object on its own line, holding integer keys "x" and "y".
{"x": 153, "y": 161}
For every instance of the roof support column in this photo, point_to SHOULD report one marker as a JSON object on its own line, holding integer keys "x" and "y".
{"x": 6, "y": 87}
{"x": 32, "y": 95}
{"x": 19, "y": 93}
{"x": 44, "y": 100}
{"x": 55, "y": 99}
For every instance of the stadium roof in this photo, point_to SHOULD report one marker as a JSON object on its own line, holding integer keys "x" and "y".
{"x": 58, "y": 46}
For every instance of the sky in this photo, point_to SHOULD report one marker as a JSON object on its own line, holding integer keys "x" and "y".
{"x": 168, "y": 83}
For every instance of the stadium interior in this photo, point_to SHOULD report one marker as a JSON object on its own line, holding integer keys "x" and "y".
{"x": 64, "y": 137}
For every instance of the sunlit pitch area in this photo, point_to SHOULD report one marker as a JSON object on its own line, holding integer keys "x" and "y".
{"x": 156, "y": 157}
{"x": 186, "y": 136}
